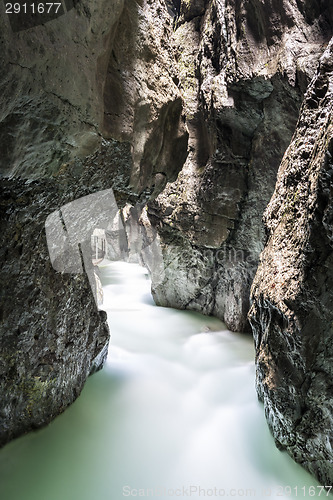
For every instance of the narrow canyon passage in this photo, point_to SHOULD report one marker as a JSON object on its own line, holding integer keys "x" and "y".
{"x": 174, "y": 410}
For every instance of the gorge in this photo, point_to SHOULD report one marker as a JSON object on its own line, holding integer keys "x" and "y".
{"x": 211, "y": 122}
{"x": 173, "y": 413}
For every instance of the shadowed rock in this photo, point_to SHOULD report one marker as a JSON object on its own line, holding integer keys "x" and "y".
{"x": 292, "y": 293}
{"x": 243, "y": 68}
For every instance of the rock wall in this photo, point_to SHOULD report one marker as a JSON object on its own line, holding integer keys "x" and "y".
{"x": 243, "y": 67}
{"x": 87, "y": 103}
{"x": 292, "y": 294}
{"x": 98, "y": 73}
{"x": 52, "y": 335}
{"x": 119, "y": 95}
{"x": 52, "y": 78}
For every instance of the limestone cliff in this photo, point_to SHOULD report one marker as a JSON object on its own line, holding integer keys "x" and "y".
{"x": 292, "y": 294}
{"x": 87, "y": 102}
{"x": 185, "y": 109}
{"x": 243, "y": 67}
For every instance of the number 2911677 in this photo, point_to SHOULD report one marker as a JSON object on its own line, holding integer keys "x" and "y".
{"x": 33, "y": 8}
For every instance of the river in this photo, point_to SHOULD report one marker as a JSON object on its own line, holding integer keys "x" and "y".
{"x": 173, "y": 414}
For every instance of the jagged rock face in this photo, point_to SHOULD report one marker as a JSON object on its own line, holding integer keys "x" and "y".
{"x": 292, "y": 294}
{"x": 52, "y": 335}
{"x": 93, "y": 100}
{"x": 243, "y": 69}
{"x": 80, "y": 111}
{"x": 142, "y": 104}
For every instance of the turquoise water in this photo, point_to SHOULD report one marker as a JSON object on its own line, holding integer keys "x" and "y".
{"x": 173, "y": 414}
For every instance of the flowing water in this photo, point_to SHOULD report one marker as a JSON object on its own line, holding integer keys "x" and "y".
{"x": 173, "y": 414}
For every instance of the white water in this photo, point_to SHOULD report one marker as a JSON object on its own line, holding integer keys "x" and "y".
{"x": 174, "y": 410}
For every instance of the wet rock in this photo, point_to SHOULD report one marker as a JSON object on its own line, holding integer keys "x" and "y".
{"x": 142, "y": 104}
{"x": 51, "y": 88}
{"x": 97, "y": 98}
{"x": 88, "y": 102}
{"x": 291, "y": 313}
{"x": 100, "y": 72}
{"x": 52, "y": 335}
{"x": 243, "y": 69}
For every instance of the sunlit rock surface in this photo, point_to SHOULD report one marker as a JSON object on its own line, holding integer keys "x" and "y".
{"x": 243, "y": 68}
{"x": 292, "y": 294}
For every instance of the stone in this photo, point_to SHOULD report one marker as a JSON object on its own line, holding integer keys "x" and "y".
{"x": 243, "y": 69}
{"x": 52, "y": 335}
{"x": 63, "y": 83}
{"x": 183, "y": 109}
{"x": 291, "y": 313}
